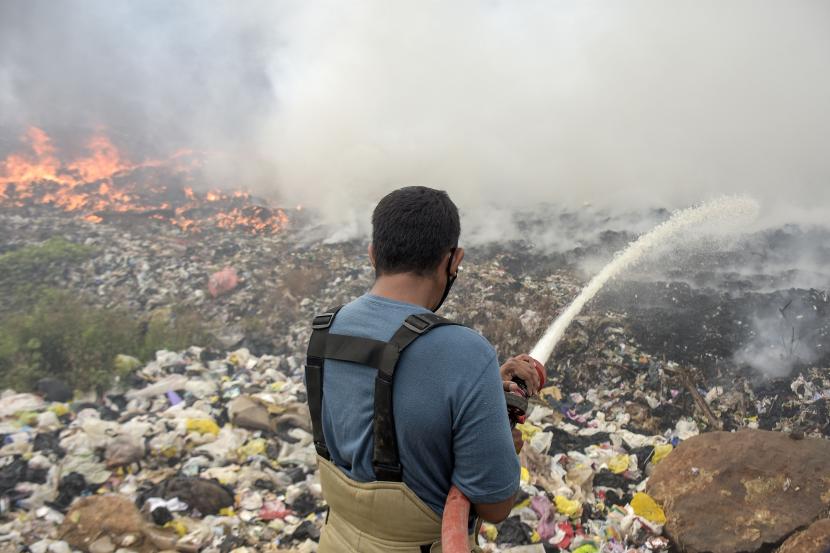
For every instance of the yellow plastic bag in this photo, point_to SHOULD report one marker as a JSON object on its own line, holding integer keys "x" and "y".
{"x": 527, "y": 430}
{"x": 490, "y": 531}
{"x": 660, "y": 452}
{"x": 567, "y": 506}
{"x": 202, "y": 426}
{"x": 256, "y": 446}
{"x": 551, "y": 391}
{"x": 177, "y": 526}
{"x": 60, "y": 409}
{"x": 644, "y": 506}
{"x": 619, "y": 464}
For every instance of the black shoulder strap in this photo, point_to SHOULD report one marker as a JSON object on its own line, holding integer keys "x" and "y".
{"x": 382, "y": 356}
{"x": 385, "y": 459}
{"x": 314, "y": 376}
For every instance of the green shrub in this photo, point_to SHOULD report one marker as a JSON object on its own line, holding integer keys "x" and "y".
{"x": 25, "y": 272}
{"x": 175, "y": 330}
{"x": 63, "y": 337}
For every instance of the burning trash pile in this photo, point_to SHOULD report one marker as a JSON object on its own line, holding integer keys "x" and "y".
{"x": 103, "y": 185}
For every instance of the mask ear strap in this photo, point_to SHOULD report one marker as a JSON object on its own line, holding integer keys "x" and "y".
{"x": 450, "y": 280}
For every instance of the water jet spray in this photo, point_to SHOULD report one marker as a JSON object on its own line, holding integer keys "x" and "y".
{"x": 721, "y": 209}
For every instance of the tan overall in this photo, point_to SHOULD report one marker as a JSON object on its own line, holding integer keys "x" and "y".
{"x": 376, "y": 517}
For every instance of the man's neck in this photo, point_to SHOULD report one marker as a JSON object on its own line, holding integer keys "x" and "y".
{"x": 406, "y": 287}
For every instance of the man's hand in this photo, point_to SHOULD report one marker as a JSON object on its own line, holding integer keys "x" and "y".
{"x": 523, "y": 367}
{"x": 518, "y": 443}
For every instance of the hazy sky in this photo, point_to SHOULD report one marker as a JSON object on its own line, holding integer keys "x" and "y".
{"x": 513, "y": 103}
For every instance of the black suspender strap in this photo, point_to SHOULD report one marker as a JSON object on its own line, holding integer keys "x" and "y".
{"x": 385, "y": 459}
{"x": 355, "y": 349}
{"x": 382, "y": 356}
{"x": 314, "y": 377}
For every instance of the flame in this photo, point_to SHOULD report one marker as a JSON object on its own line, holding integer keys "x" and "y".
{"x": 104, "y": 181}
{"x": 103, "y": 163}
{"x": 27, "y": 169}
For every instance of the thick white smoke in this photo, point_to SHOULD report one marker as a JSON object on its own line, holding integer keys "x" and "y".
{"x": 332, "y": 103}
{"x": 506, "y": 103}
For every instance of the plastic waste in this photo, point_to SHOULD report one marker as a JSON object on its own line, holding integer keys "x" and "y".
{"x": 222, "y": 282}
{"x": 660, "y": 452}
{"x": 644, "y": 506}
{"x": 567, "y": 506}
{"x": 248, "y": 412}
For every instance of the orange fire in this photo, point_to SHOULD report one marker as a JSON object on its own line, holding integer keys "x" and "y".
{"x": 103, "y": 163}
{"x": 42, "y": 166}
{"x": 105, "y": 182}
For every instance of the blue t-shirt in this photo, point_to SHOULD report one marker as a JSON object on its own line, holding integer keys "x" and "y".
{"x": 449, "y": 408}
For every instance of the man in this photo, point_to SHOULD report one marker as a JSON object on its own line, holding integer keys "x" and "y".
{"x": 386, "y": 471}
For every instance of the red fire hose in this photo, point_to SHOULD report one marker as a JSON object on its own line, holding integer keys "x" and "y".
{"x": 454, "y": 536}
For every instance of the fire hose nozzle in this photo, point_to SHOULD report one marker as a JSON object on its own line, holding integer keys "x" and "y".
{"x": 517, "y": 403}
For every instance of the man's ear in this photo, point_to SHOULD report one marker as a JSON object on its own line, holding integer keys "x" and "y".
{"x": 456, "y": 260}
{"x": 372, "y": 254}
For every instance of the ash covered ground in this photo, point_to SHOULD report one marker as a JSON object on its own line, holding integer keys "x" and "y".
{"x": 726, "y": 336}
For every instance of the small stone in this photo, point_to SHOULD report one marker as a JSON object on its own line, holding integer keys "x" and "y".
{"x": 102, "y": 545}
{"x": 59, "y": 547}
{"x": 41, "y": 546}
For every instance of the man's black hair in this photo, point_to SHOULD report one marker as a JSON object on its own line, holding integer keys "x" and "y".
{"x": 412, "y": 229}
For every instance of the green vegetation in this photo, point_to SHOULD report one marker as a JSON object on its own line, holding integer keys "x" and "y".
{"x": 62, "y": 337}
{"x": 49, "y": 332}
{"x": 24, "y": 273}
{"x": 41, "y": 257}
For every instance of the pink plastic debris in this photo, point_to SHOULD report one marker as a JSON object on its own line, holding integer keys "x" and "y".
{"x": 274, "y": 509}
{"x": 222, "y": 282}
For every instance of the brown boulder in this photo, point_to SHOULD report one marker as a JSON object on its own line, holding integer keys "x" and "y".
{"x": 104, "y": 522}
{"x": 728, "y": 492}
{"x": 815, "y": 539}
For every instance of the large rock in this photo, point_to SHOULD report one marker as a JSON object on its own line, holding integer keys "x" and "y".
{"x": 103, "y": 523}
{"x": 728, "y": 492}
{"x": 815, "y": 539}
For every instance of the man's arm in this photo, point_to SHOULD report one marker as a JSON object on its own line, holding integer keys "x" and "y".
{"x": 486, "y": 466}
{"x": 495, "y": 512}
{"x": 515, "y": 366}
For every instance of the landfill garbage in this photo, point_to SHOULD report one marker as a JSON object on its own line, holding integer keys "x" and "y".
{"x": 53, "y": 389}
{"x": 190, "y": 476}
{"x": 238, "y": 467}
{"x": 628, "y": 388}
{"x": 207, "y": 497}
{"x": 248, "y": 412}
{"x": 124, "y": 450}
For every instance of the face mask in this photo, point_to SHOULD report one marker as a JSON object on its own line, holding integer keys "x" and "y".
{"x": 450, "y": 280}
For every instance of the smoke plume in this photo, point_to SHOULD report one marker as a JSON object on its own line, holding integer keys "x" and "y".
{"x": 795, "y": 335}
{"x": 331, "y": 104}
